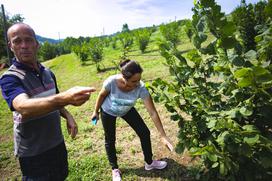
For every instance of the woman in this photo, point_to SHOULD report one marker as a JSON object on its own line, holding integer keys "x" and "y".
{"x": 117, "y": 99}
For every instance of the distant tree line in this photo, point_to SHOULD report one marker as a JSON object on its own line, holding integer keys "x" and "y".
{"x": 91, "y": 48}
{"x": 10, "y": 20}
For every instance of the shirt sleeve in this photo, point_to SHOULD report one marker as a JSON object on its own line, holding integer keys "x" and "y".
{"x": 55, "y": 81}
{"x": 143, "y": 91}
{"x": 107, "y": 83}
{"x": 11, "y": 87}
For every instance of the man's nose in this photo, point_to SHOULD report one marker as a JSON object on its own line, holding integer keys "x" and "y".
{"x": 24, "y": 44}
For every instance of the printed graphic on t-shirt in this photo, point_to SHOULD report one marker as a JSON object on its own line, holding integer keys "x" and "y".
{"x": 121, "y": 106}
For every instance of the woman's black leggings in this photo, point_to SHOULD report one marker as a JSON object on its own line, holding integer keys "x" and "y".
{"x": 136, "y": 122}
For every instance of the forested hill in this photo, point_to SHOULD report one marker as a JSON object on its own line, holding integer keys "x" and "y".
{"x": 49, "y": 40}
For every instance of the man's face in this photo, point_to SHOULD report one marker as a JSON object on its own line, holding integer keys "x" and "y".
{"x": 23, "y": 44}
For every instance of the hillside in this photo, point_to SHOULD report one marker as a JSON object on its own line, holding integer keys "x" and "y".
{"x": 42, "y": 39}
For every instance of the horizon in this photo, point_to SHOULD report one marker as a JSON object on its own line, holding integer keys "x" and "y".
{"x": 59, "y": 19}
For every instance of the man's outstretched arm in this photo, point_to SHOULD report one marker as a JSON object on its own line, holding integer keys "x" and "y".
{"x": 33, "y": 107}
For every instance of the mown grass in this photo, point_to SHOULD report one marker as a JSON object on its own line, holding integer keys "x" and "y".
{"x": 87, "y": 158}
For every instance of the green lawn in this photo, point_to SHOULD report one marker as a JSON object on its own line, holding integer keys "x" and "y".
{"x": 87, "y": 158}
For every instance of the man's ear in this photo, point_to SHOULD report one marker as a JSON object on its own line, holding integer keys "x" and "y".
{"x": 9, "y": 45}
{"x": 38, "y": 44}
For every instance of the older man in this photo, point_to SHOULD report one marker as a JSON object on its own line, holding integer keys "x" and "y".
{"x": 31, "y": 92}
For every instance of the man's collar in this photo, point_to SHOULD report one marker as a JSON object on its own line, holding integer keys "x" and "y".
{"x": 23, "y": 66}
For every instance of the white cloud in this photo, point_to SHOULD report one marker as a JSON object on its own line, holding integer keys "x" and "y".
{"x": 50, "y": 18}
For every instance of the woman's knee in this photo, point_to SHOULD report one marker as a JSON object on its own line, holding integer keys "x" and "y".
{"x": 144, "y": 133}
{"x": 110, "y": 140}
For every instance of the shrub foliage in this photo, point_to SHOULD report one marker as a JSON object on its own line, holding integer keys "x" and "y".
{"x": 221, "y": 97}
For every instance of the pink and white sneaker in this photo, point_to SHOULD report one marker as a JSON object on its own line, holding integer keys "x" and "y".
{"x": 156, "y": 164}
{"x": 116, "y": 175}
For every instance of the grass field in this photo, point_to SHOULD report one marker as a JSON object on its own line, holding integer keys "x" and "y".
{"x": 87, "y": 158}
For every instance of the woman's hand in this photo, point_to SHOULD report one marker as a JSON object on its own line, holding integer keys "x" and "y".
{"x": 166, "y": 141}
{"x": 95, "y": 115}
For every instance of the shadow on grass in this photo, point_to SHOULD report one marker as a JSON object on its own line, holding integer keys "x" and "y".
{"x": 91, "y": 63}
{"x": 108, "y": 69}
{"x": 174, "y": 172}
{"x": 51, "y": 67}
{"x": 147, "y": 53}
{"x": 87, "y": 63}
{"x": 151, "y": 51}
{"x": 144, "y": 55}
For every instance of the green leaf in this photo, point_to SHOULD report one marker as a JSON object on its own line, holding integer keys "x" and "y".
{"x": 215, "y": 165}
{"x": 237, "y": 61}
{"x": 194, "y": 56}
{"x": 221, "y": 138}
{"x": 260, "y": 71}
{"x": 245, "y": 77}
{"x": 222, "y": 168}
{"x": 250, "y": 128}
{"x": 264, "y": 78}
{"x": 175, "y": 117}
{"x": 252, "y": 140}
{"x": 228, "y": 42}
{"x": 238, "y": 94}
{"x": 234, "y": 113}
{"x": 202, "y": 37}
{"x": 210, "y": 49}
{"x": 246, "y": 111}
{"x": 207, "y": 4}
{"x": 244, "y": 72}
{"x": 196, "y": 41}
{"x": 258, "y": 38}
{"x": 211, "y": 123}
{"x": 201, "y": 24}
{"x": 229, "y": 28}
{"x": 212, "y": 157}
{"x": 245, "y": 82}
{"x": 251, "y": 54}
{"x": 170, "y": 108}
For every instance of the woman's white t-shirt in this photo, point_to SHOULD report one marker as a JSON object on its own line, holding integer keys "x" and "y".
{"x": 119, "y": 102}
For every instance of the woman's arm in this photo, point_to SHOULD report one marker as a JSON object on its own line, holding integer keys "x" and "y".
{"x": 100, "y": 99}
{"x": 148, "y": 102}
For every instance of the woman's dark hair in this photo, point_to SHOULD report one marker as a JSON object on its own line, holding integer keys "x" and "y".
{"x": 129, "y": 68}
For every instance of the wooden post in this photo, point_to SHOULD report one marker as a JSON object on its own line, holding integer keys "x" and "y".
{"x": 5, "y": 33}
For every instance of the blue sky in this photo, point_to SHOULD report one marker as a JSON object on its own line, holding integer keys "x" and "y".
{"x": 63, "y": 18}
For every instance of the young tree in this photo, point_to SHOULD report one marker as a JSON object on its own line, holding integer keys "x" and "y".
{"x": 68, "y": 43}
{"x": 48, "y": 51}
{"x": 82, "y": 51}
{"x": 10, "y": 20}
{"x": 220, "y": 94}
{"x": 142, "y": 37}
{"x": 244, "y": 19}
{"x": 125, "y": 28}
{"x": 126, "y": 41}
{"x": 260, "y": 14}
{"x": 171, "y": 32}
{"x": 96, "y": 52}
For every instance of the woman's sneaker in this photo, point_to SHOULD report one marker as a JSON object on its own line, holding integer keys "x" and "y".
{"x": 156, "y": 164}
{"x": 116, "y": 175}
